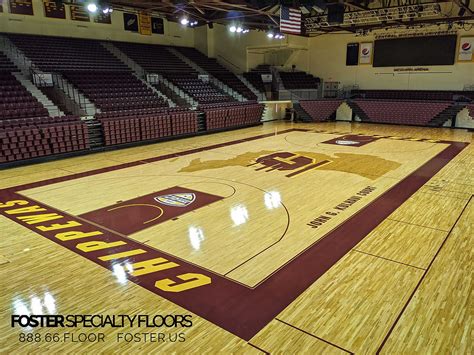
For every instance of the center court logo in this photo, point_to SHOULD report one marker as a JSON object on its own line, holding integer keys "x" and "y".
{"x": 176, "y": 200}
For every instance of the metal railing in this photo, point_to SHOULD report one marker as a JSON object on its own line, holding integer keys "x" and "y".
{"x": 72, "y": 92}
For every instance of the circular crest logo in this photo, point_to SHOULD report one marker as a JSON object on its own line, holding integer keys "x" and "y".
{"x": 466, "y": 46}
{"x": 365, "y": 51}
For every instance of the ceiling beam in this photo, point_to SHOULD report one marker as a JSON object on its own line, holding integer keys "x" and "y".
{"x": 463, "y": 6}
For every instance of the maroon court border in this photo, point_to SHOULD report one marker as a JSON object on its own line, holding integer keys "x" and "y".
{"x": 239, "y": 309}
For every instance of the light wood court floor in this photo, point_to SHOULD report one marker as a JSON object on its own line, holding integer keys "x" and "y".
{"x": 319, "y": 238}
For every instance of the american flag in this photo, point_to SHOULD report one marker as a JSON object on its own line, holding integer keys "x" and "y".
{"x": 290, "y": 20}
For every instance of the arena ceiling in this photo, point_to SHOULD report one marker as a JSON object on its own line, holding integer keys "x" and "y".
{"x": 359, "y": 15}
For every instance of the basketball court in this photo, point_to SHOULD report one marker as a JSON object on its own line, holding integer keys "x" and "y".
{"x": 308, "y": 246}
{"x": 236, "y": 177}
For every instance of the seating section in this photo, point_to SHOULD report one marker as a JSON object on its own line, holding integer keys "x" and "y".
{"x": 238, "y": 114}
{"x": 36, "y": 137}
{"x": 212, "y": 66}
{"x": 299, "y": 80}
{"x": 91, "y": 68}
{"x": 320, "y": 110}
{"x": 470, "y": 108}
{"x": 402, "y": 112}
{"x": 6, "y": 65}
{"x": 115, "y": 91}
{"x": 412, "y": 94}
{"x": 255, "y": 76}
{"x": 133, "y": 128}
{"x": 157, "y": 59}
{"x": 16, "y": 101}
{"x": 58, "y": 54}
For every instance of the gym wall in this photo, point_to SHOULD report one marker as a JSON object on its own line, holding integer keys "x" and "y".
{"x": 175, "y": 34}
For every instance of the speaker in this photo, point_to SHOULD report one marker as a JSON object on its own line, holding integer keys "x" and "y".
{"x": 210, "y": 25}
{"x": 335, "y": 13}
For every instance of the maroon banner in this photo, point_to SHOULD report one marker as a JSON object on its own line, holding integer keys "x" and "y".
{"x": 21, "y": 7}
{"x": 79, "y": 13}
{"x": 54, "y": 9}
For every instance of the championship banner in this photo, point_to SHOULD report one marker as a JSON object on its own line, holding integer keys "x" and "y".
{"x": 365, "y": 52}
{"x": 54, "y": 9}
{"x": 466, "y": 45}
{"x": 79, "y": 13}
{"x": 21, "y": 7}
{"x": 100, "y": 17}
{"x": 157, "y": 26}
{"x": 145, "y": 24}
{"x": 130, "y": 22}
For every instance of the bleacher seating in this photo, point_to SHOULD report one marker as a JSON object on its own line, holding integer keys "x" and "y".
{"x": 470, "y": 109}
{"x": 16, "y": 101}
{"x": 212, "y": 66}
{"x": 98, "y": 74}
{"x": 115, "y": 90}
{"x": 6, "y": 65}
{"x": 255, "y": 76}
{"x": 401, "y": 112}
{"x": 157, "y": 59}
{"x": 412, "y": 94}
{"x": 299, "y": 80}
{"x": 130, "y": 128}
{"x": 233, "y": 115}
{"x": 320, "y": 110}
{"x": 58, "y": 54}
{"x": 199, "y": 90}
{"x": 36, "y": 137}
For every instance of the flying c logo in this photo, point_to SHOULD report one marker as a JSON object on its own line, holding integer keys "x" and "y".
{"x": 286, "y": 161}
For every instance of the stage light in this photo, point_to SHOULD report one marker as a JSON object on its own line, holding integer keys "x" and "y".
{"x": 270, "y": 34}
{"x": 239, "y": 29}
{"x": 92, "y": 8}
{"x": 246, "y": 30}
{"x": 232, "y": 29}
{"x": 184, "y": 21}
{"x": 106, "y": 10}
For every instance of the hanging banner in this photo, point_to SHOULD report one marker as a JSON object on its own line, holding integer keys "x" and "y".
{"x": 466, "y": 45}
{"x": 157, "y": 26}
{"x": 100, "y": 17}
{"x": 365, "y": 52}
{"x": 79, "y": 13}
{"x": 145, "y": 24}
{"x": 21, "y": 7}
{"x": 130, "y": 22}
{"x": 54, "y": 9}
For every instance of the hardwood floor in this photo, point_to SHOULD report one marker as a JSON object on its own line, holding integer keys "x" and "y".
{"x": 323, "y": 238}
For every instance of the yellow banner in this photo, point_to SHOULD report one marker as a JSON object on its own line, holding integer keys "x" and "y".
{"x": 144, "y": 22}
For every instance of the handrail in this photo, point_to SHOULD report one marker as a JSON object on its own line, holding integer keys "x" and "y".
{"x": 70, "y": 91}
